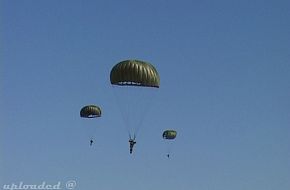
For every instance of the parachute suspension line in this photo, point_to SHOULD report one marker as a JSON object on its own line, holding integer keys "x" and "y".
{"x": 134, "y": 105}
{"x": 169, "y": 145}
{"x": 146, "y": 107}
{"x": 123, "y": 108}
{"x": 132, "y": 137}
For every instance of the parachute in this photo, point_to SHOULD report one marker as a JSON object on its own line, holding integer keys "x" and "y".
{"x": 90, "y": 111}
{"x": 135, "y": 73}
{"x": 169, "y": 135}
{"x": 134, "y": 83}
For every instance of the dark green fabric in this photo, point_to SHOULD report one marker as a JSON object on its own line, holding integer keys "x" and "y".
{"x": 169, "y": 134}
{"x": 135, "y": 73}
{"x": 90, "y": 111}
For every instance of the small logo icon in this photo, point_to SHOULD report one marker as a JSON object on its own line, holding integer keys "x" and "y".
{"x": 71, "y": 184}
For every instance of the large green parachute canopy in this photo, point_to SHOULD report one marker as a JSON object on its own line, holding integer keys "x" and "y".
{"x": 90, "y": 111}
{"x": 135, "y": 73}
{"x": 169, "y": 134}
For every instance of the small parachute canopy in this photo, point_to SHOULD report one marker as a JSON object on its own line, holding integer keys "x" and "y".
{"x": 90, "y": 111}
{"x": 169, "y": 134}
{"x": 135, "y": 73}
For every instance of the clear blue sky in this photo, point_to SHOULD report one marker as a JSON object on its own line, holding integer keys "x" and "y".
{"x": 225, "y": 86}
